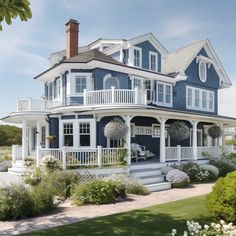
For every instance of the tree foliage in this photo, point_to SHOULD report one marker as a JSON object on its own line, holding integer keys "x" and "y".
{"x": 11, "y": 9}
{"x": 10, "y": 135}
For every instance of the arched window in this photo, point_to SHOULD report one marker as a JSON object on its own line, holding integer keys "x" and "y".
{"x": 110, "y": 81}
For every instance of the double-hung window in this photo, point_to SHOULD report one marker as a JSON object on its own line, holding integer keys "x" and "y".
{"x": 164, "y": 94}
{"x": 80, "y": 84}
{"x": 138, "y": 57}
{"x": 199, "y": 99}
{"x": 84, "y": 132}
{"x": 68, "y": 134}
{"x": 153, "y": 61}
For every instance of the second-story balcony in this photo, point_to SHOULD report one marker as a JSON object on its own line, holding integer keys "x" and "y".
{"x": 90, "y": 98}
{"x": 32, "y": 104}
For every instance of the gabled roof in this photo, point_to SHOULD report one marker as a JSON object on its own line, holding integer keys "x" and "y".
{"x": 179, "y": 60}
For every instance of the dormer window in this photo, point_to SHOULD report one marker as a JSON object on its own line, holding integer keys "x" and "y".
{"x": 137, "y": 57}
{"x": 153, "y": 61}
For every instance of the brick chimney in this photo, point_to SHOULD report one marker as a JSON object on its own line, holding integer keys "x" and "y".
{"x": 72, "y": 33}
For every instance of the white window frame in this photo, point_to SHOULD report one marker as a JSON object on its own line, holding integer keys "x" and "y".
{"x": 150, "y": 63}
{"x": 164, "y": 103}
{"x": 140, "y": 59}
{"x": 200, "y": 108}
{"x": 203, "y": 80}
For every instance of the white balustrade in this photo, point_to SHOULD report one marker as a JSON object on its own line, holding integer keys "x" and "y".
{"x": 212, "y": 151}
{"x": 186, "y": 153}
{"x": 31, "y": 104}
{"x": 83, "y": 157}
{"x": 16, "y": 153}
{"x": 171, "y": 154}
{"x": 114, "y": 96}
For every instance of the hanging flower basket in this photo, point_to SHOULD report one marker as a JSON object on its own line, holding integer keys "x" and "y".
{"x": 179, "y": 131}
{"x": 51, "y": 138}
{"x": 215, "y": 131}
{"x": 115, "y": 129}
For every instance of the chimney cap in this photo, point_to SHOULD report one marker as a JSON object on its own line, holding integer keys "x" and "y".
{"x": 72, "y": 21}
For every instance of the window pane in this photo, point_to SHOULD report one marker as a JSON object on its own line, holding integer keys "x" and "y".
{"x": 197, "y": 98}
{"x": 204, "y": 99}
{"x": 211, "y": 101}
{"x": 136, "y": 57}
{"x": 190, "y": 96}
{"x": 80, "y": 84}
{"x": 153, "y": 62}
{"x": 84, "y": 140}
{"x": 160, "y": 93}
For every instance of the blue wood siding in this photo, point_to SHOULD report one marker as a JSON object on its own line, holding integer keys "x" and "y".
{"x": 212, "y": 84}
{"x": 99, "y": 74}
{"x": 116, "y": 55}
{"x": 146, "y": 48}
{"x": 54, "y": 130}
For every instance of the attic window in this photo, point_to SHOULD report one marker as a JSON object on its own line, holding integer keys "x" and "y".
{"x": 202, "y": 71}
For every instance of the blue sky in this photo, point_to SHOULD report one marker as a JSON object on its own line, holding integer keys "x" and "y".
{"x": 25, "y": 46}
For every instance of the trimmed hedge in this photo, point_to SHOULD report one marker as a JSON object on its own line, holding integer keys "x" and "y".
{"x": 221, "y": 202}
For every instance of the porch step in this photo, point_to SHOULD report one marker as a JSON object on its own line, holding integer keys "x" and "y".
{"x": 152, "y": 179}
{"x": 18, "y": 168}
{"x": 158, "y": 186}
{"x": 142, "y": 166}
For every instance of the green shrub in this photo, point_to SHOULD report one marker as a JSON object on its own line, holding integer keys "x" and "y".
{"x": 195, "y": 173}
{"x": 51, "y": 163}
{"x": 221, "y": 202}
{"x": 213, "y": 171}
{"x": 34, "y": 178}
{"x": 224, "y": 166}
{"x": 95, "y": 192}
{"x": 62, "y": 182}
{"x": 15, "y": 203}
{"x": 42, "y": 198}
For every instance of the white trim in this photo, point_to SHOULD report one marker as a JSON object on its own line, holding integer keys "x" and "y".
{"x": 164, "y": 103}
{"x": 200, "y": 108}
{"x": 140, "y": 55}
{"x": 204, "y": 78}
{"x": 150, "y": 65}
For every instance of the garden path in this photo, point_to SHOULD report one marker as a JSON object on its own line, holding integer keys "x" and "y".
{"x": 6, "y": 178}
{"x": 67, "y": 214}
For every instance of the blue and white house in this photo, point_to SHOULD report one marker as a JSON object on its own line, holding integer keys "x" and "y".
{"x": 138, "y": 80}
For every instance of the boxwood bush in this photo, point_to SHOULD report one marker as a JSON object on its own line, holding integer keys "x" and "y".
{"x": 223, "y": 165}
{"x": 221, "y": 202}
{"x": 98, "y": 192}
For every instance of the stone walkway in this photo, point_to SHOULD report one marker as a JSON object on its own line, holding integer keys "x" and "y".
{"x": 67, "y": 214}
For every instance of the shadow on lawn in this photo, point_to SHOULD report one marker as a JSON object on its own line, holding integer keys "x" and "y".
{"x": 140, "y": 222}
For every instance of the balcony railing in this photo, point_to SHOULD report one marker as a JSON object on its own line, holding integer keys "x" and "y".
{"x": 30, "y": 104}
{"x": 115, "y": 96}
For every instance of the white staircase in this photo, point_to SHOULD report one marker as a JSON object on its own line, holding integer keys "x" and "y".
{"x": 150, "y": 176}
{"x": 18, "y": 168}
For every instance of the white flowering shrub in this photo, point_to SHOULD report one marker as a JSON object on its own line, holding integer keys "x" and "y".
{"x": 50, "y": 162}
{"x": 212, "y": 170}
{"x": 195, "y": 229}
{"x": 177, "y": 178}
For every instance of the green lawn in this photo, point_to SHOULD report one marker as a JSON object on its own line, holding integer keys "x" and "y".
{"x": 156, "y": 220}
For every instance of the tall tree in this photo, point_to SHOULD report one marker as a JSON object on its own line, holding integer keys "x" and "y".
{"x": 11, "y": 9}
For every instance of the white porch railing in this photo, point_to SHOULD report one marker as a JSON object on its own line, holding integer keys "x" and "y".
{"x": 16, "y": 153}
{"x": 213, "y": 151}
{"x": 186, "y": 153}
{"x": 31, "y": 104}
{"x": 83, "y": 157}
{"x": 115, "y": 96}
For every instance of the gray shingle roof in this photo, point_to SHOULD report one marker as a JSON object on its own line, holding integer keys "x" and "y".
{"x": 176, "y": 61}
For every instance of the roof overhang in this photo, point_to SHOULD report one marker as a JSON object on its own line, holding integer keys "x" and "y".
{"x": 51, "y": 73}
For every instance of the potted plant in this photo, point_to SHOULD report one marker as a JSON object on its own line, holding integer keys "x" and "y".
{"x": 51, "y": 138}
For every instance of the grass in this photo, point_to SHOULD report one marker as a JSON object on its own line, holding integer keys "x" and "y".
{"x": 157, "y": 220}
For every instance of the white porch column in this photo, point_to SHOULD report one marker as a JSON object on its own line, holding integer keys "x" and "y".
{"x": 162, "y": 140}
{"x": 39, "y": 133}
{"x": 24, "y": 140}
{"x": 128, "y": 138}
{"x": 47, "y": 134}
{"x": 194, "y": 124}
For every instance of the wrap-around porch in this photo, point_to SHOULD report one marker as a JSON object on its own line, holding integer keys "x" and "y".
{"x": 147, "y": 130}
